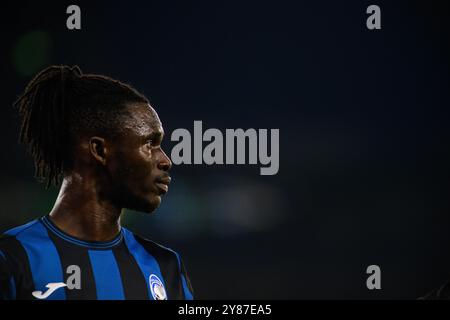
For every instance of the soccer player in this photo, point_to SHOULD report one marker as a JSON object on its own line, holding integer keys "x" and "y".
{"x": 102, "y": 140}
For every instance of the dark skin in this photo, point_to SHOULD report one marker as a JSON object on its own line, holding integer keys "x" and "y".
{"x": 109, "y": 174}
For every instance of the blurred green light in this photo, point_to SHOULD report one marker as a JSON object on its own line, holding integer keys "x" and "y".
{"x": 31, "y": 52}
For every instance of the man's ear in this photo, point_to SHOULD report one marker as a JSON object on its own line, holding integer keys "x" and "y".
{"x": 98, "y": 149}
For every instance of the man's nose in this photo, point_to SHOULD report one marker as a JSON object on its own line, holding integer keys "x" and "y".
{"x": 164, "y": 164}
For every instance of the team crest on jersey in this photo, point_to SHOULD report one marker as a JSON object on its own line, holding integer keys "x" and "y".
{"x": 157, "y": 288}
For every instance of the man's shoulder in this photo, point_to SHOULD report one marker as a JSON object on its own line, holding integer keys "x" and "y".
{"x": 11, "y": 247}
{"x": 156, "y": 249}
{"x": 14, "y": 232}
{"x": 442, "y": 293}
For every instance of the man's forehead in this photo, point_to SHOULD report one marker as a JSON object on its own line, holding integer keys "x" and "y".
{"x": 144, "y": 120}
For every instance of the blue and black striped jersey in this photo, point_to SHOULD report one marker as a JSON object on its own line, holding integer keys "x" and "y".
{"x": 39, "y": 261}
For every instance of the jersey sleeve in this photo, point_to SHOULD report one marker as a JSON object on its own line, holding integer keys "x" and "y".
{"x": 443, "y": 293}
{"x": 7, "y": 286}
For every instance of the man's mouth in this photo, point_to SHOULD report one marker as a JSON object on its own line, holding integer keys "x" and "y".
{"x": 163, "y": 184}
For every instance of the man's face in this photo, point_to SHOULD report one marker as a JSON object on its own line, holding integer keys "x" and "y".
{"x": 137, "y": 167}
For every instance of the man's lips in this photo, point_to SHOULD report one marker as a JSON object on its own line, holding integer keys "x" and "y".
{"x": 163, "y": 184}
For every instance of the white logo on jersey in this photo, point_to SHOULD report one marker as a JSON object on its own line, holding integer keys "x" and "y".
{"x": 73, "y": 282}
{"x": 52, "y": 287}
{"x": 157, "y": 288}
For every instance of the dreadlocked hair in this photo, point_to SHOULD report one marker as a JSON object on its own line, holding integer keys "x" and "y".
{"x": 61, "y": 101}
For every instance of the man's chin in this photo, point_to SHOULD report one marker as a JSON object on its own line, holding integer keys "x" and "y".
{"x": 152, "y": 205}
{"x": 148, "y": 206}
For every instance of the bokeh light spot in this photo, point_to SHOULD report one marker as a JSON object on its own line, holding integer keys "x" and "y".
{"x": 31, "y": 52}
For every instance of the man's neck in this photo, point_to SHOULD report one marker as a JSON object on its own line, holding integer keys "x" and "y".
{"x": 79, "y": 212}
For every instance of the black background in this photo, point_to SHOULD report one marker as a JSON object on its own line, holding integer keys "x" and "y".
{"x": 363, "y": 118}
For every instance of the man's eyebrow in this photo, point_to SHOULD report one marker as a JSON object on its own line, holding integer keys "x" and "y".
{"x": 155, "y": 135}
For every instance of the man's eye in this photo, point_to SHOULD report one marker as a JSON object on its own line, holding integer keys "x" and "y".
{"x": 149, "y": 142}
